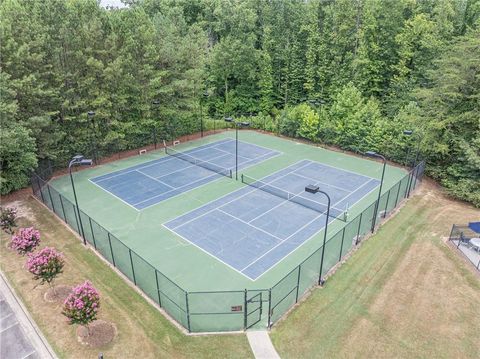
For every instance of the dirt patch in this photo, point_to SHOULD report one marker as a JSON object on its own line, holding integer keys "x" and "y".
{"x": 57, "y": 294}
{"x": 22, "y": 210}
{"x": 98, "y": 334}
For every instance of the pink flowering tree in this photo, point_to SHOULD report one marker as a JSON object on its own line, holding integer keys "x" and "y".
{"x": 81, "y": 306}
{"x": 26, "y": 240}
{"x": 46, "y": 265}
{"x": 8, "y": 215}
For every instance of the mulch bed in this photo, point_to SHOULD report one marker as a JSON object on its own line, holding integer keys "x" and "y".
{"x": 61, "y": 293}
{"x": 100, "y": 333}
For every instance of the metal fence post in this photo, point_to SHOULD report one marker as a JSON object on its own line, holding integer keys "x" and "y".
{"x": 188, "y": 312}
{"x": 63, "y": 208}
{"x": 93, "y": 234}
{"x": 51, "y": 199}
{"x": 298, "y": 283}
{"x": 398, "y": 192}
{"x": 451, "y": 232}
{"x": 158, "y": 289}
{"x": 358, "y": 231}
{"x": 76, "y": 219}
{"x": 111, "y": 250}
{"x": 386, "y": 204}
{"x": 269, "y": 308}
{"x": 422, "y": 164}
{"x": 41, "y": 192}
{"x": 245, "y": 310}
{"x": 133, "y": 269}
{"x": 341, "y": 245}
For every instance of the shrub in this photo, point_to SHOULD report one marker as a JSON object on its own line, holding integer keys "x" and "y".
{"x": 45, "y": 265}
{"x": 81, "y": 306}
{"x": 8, "y": 215}
{"x": 26, "y": 240}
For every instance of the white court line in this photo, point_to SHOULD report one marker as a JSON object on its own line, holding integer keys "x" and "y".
{"x": 313, "y": 235}
{"x": 290, "y": 236}
{"x": 137, "y": 170}
{"x": 207, "y": 252}
{"x": 326, "y": 184}
{"x": 284, "y": 200}
{"x": 223, "y": 204}
{"x": 195, "y": 165}
{"x": 163, "y": 159}
{"x": 294, "y": 195}
{"x": 272, "y": 152}
{"x": 248, "y": 224}
{"x": 114, "y": 195}
{"x": 232, "y": 153}
{"x": 177, "y": 188}
{"x": 157, "y": 180}
{"x": 342, "y": 169}
{"x": 181, "y": 193}
{"x": 245, "y": 194}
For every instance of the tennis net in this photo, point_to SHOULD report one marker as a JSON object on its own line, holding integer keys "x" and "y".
{"x": 296, "y": 198}
{"x": 196, "y": 161}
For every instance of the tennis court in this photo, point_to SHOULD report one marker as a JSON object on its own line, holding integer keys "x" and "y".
{"x": 149, "y": 183}
{"x": 219, "y": 254}
{"x": 254, "y": 228}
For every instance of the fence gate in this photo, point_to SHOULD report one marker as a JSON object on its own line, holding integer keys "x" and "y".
{"x": 253, "y": 310}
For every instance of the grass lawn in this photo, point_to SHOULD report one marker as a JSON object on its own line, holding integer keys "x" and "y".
{"x": 405, "y": 293}
{"x": 142, "y": 330}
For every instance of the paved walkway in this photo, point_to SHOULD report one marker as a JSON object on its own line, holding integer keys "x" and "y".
{"x": 19, "y": 335}
{"x": 261, "y": 345}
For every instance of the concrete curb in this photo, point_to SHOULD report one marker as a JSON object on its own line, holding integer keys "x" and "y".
{"x": 28, "y": 326}
{"x": 261, "y": 345}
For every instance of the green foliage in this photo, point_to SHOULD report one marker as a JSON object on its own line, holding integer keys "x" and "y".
{"x": 17, "y": 153}
{"x": 374, "y": 64}
{"x": 309, "y": 123}
{"x": 450, "y": 118}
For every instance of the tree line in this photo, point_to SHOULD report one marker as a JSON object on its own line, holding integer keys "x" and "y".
{"x": 350, "y": 73}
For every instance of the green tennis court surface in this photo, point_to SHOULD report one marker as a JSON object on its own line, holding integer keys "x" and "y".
{"x": 223, "y": 236}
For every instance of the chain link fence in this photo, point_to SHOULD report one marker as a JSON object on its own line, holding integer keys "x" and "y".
{"x": 220, "y": 311}
{"x": 461, "y": 236}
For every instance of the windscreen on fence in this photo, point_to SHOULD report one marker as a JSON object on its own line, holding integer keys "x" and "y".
{"x": 217, "y": 311}
{"x": 226, "y": 310}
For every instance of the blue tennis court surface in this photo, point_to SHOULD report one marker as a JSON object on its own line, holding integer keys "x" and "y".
{"x": 251, "y": 230}
{"x": 149, "y": 183}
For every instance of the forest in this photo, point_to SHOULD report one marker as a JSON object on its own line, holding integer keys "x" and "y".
{"x": 353, "y": 74}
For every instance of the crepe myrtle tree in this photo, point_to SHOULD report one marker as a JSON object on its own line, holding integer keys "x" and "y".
{"x": 46, "y": 265}
{"x": 82, "y": 305}
{"x": 8, "y": 216}
{"x": 26, "y": 240}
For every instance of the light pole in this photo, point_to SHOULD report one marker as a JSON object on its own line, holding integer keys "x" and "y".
{"x": 156, "y": 105}
{"x": 376, "y": 155}
{"x": 91, "y": 116}
{"x": 80, "y": 161}
{"x": 237, "y": 125}
{"x": 315, "y": 189}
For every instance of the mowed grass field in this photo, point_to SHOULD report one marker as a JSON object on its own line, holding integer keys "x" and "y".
{"x": 403, "y": 293}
